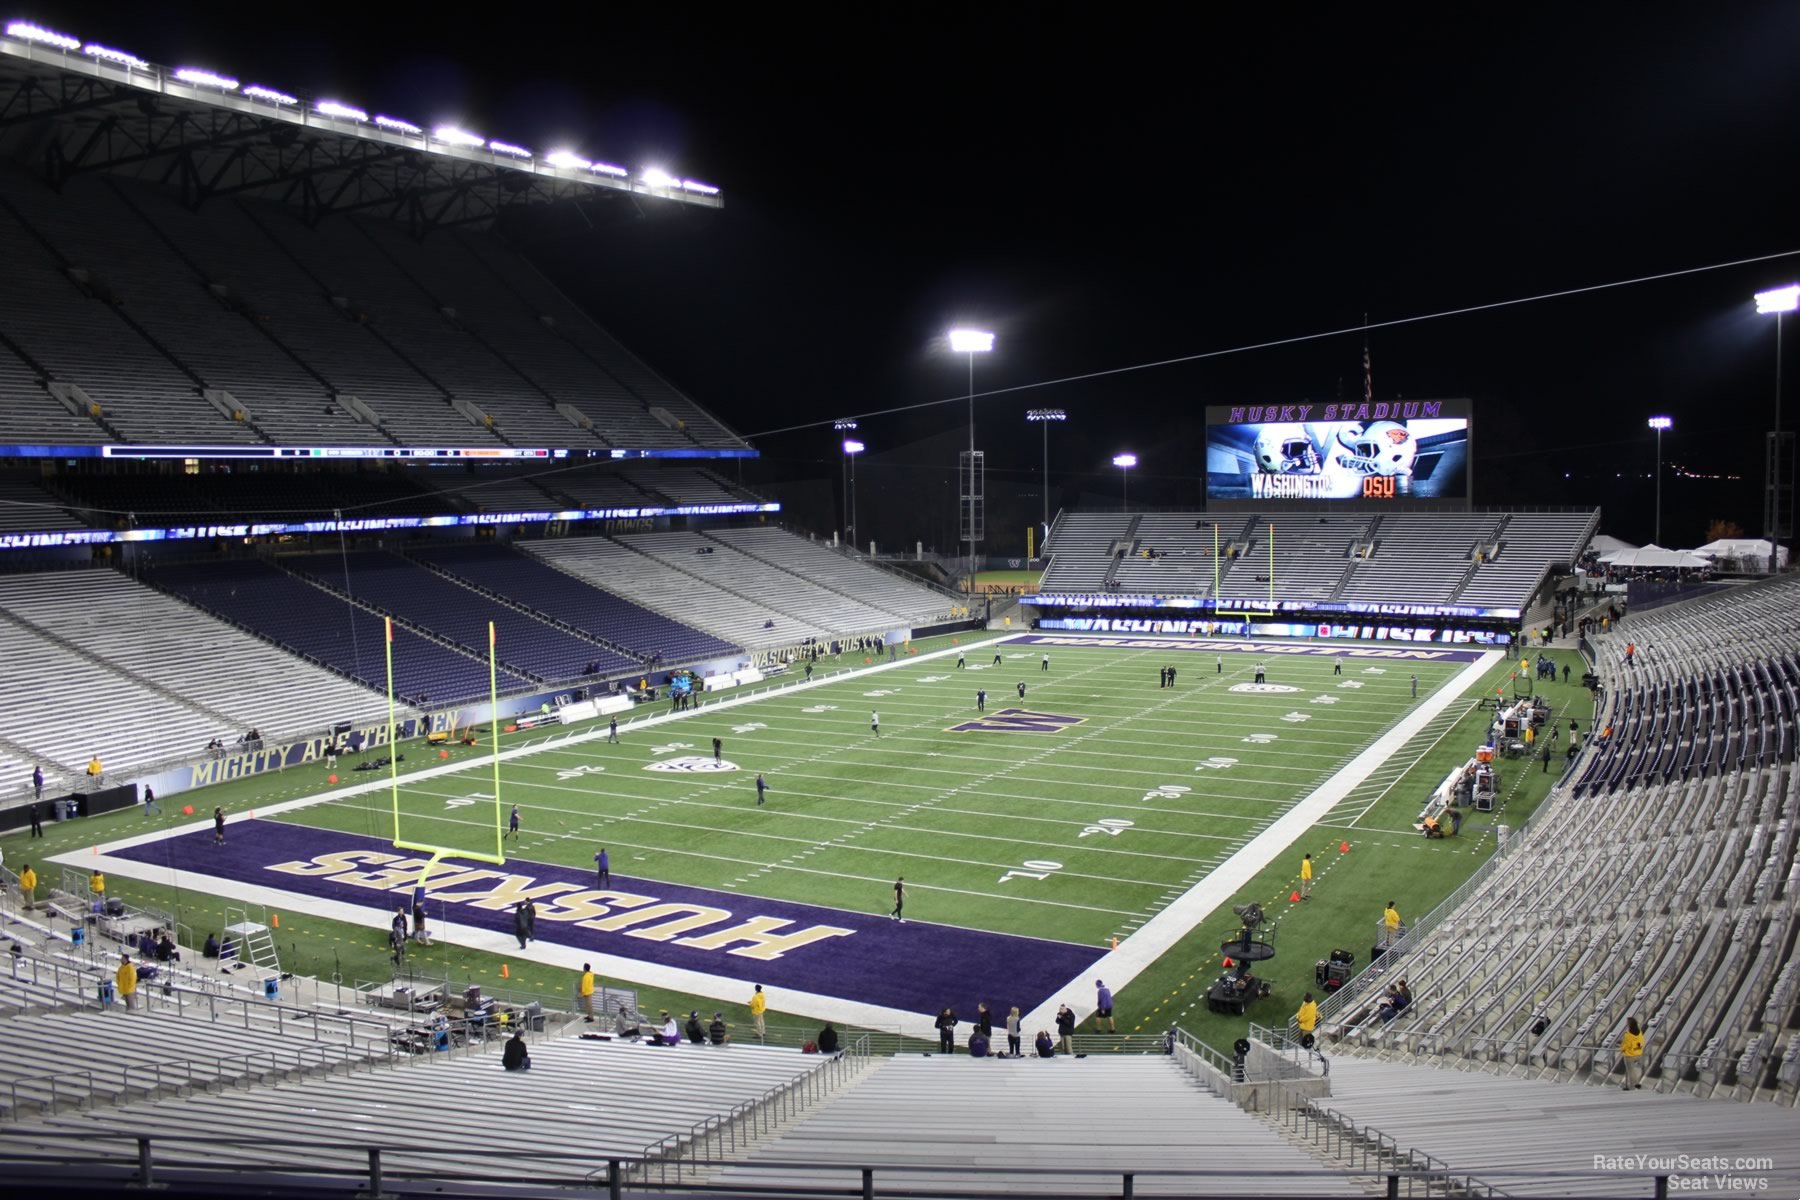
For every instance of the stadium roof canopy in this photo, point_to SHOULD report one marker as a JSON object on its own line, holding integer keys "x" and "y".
{"x": 77, "y": 107}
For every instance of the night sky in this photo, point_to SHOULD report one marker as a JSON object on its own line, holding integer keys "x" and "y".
{"x": 1104, "y": 191}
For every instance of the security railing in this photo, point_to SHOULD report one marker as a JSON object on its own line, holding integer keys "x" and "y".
{"x": 1370, "y": 1163}
{"x": 1365, "y": 1150}
{"x": 726, "y": 1133}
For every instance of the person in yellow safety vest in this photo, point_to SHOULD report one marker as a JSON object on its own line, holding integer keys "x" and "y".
{"x": 1631, "y": 1054}
{"x": 97, "y": 885}
{"x": 93, "y": 767}
{"x": 587, "y": 991}
{"x": 759, "y": 1004}
{"x": 1308, "y": 1016}
{"x": 28, "y": 885}
{"x": 127, "y": 982}
{"x": 1306, "y": 877}
{"x": 1390, "y": 918}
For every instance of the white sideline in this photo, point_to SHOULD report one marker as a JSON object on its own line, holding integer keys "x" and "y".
{"x": 1119, "y": 967}
{"x": 1160, "y": 933}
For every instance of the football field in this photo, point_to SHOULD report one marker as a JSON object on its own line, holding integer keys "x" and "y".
{"x": 1030, "y": 829}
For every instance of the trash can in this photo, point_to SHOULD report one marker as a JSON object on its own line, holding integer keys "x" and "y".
{"x": 77, "y": 935}
{"x": 106, "y": 993}
{"x": 272, "y": 988}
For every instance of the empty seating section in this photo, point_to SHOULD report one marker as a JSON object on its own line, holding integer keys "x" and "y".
{"x": 1511, "y": 1127}
{"x": 24, "y": 507}
{"x": 1651, "y": 888}
{"x": 562, "y": 595}
{"x": 1180, "y": 553}
{"x": 687, "y": 597}
{"x": 765, "y": 586}
{"x": 82, "y": 707}
{"x": 810, "y": 560}
{"x": 483, "y": 491}
{"x": 1312, "y": 552}
{"x": 1079, "y": 547}
{"x": 28, "y": 413}
{"x": 431, "y": 601}
{"x": 662, "y": 1091}
{"x": 341, "y": 255}
{"x": 685, "y": 485}
{"x": 55, "y": 1058}
{"x": 1713, "y": 685}
{"x": 135, "y": 629}
{"x": 241, "y": 339}
{"x": 600, "y": 488}
{"x": 1421, "y": 558}
{"x": 557, "y": 371}
{"x": 1418, "y": 558}
{"x": 1113, "y": 1112}
{"x": 321, "y": 627}
{"x": 542, "y": 297}
{"x": 83, "y": 340}
{"x": 1530, "y": 543}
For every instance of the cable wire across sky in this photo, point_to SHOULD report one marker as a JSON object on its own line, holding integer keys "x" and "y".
{"x": 1364, "y": 327}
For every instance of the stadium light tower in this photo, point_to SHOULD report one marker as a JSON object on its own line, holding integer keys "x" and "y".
{"x": 973, "y": 483}
{"x": 1659, "y": 424}
{"x": 1124, "y": 462}
{"x": 1776, "y": 512}
{"x": 845, "y": 426}
{"x": 1045, "y": 417}
{"x": 852, "y": 448}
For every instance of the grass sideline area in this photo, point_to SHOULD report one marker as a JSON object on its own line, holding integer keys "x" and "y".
{"x": 1134, "y": 746}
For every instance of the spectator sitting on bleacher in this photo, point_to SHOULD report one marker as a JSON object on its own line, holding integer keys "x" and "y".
{"x": 165, "y": 949}
{"x": 696, "y": 1032}
{"x": 671, "y": 1033}
{"x": 1045, "y": 1047}
{"x": 211, "y": 949}
{"x": 828, "y": 1039}
{"x": 978, "y": 1044}
{"x": 626, "y": 1026}
{"x": 717, "y": 1033}
{"x": 1397, "y": 1002}
{"x": 514, "y": 1057}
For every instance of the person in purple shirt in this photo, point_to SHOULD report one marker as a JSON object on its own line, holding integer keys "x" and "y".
{"x": 1103, "y": 999}
{"x": 602, "y": 868}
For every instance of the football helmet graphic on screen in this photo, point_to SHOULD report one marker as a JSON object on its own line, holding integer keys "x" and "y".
{"x": 1378, "y": 448}
{"x": 1286, "y": 450}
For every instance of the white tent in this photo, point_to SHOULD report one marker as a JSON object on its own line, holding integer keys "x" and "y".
{"x": 1743, "y": 549}
{"x": 1603, "y": 544}
{"x": 1655, "y": 556}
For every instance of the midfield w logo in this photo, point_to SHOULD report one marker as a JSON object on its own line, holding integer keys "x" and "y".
{"x": 1018, "y": 720}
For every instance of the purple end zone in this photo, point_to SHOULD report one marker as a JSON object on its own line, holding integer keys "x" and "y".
{"x": 1398, "y": 652}
{"x": 915, "y": 967}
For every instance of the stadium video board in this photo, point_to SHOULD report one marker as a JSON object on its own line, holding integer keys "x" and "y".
{"x": 1338, "y": 453}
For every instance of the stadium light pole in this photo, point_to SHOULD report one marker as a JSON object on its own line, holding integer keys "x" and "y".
{"x": 1659, "y": 424}
{"x": 1124, "y": 462}
{"x": 1776, "y": 300}
{"x": 852, "y": 448}
{"x": 1045, "y": 417}
{"x": 845, "y": 426}
{"x": 971, "y": 342}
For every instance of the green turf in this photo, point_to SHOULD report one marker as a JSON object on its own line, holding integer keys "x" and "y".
{"x": 954, "y": 812}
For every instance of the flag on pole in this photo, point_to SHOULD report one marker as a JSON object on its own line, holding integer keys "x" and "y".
{"x": 1368, "y": 378}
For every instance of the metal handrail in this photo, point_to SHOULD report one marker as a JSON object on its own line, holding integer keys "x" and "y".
{"x": 53, "y": 1106}
{"x": 1370, "y": 1157}
{"x": 729, "y": 1131}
